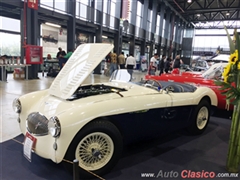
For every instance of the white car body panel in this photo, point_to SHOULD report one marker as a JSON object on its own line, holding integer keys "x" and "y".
{"x": 72, "y": 120}
{"x": 82, "y": 62}
{"x": 75, "y": 114}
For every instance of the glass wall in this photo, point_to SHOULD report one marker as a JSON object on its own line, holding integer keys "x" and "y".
{"x": 164, "y": 22}
{"x": 113, "y": 12}
{"x": 10, "y": 43}
{"x": 139, "y": 14}
{"x": 174, "y": 32}
{"x": 157, "y": 25}
{"x": 82, "y": 9}
{"x": 149, "y": 24}
{"x": 56, "y": 5}
{"x": 139, "y": 18}
{"x": 109, "y": 12}
{"x": 211, "y": 42}
{"x": 9, "y": 24}
{"x": 188, "y": 32}
{"x": 211, "y": 39}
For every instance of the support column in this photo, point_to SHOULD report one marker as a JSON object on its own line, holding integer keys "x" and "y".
{"x": 132, "y": 45}
{"x": 187, "y": 44}
{"x": 97, "y": 70}
{"x": 171, "y": 33}
{"x": 162, "y": 8}
{"x": 166, "y": 31}
{"x": 22, "y": 49}
{"x": 119, "y": 34}
{"x": 144, "y": 26}
{"x": 153, "y": 27}
{"x": 32, "y": 33}
{"x": 71, "y": 25}
{"x": 176, "y": 45}
{"x": 118, "y": 40}
{"x": 133, "y": 21}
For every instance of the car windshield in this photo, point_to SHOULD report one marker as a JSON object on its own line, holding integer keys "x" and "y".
{"x": 122, "y": 75}
{"x": 215, "y": 71}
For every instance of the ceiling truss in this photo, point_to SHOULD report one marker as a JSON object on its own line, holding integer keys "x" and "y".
{"x": 205, "y": 11}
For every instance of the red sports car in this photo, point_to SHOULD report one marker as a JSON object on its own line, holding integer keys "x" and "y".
{"x": 206, "y": 78}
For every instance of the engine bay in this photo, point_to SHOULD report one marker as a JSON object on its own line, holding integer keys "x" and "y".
{"x": 92, "y": 90}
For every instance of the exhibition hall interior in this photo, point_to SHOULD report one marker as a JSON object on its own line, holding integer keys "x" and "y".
{"x": 119, "y": 89}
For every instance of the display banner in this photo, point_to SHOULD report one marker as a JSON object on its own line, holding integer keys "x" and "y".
{"x": 34, "y": 54}
{"x": 125, "y": 9}
{"x": 33, "y": 4}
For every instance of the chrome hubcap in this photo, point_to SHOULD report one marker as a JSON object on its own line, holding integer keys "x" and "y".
{"x": 94, "y": 151}
{"x": 202, "y": 117}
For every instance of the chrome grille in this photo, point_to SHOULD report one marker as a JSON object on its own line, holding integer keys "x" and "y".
{"x": 37, "y": 124}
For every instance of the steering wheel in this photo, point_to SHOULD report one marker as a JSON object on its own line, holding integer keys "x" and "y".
{"x": 152, "y": 81}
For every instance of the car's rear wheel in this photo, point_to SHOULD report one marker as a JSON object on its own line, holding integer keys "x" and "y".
{"x": 97, "y": 147}
{"x": 200, "y": 118}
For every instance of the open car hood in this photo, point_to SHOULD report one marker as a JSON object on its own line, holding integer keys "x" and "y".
{"x": 78, "y": 67}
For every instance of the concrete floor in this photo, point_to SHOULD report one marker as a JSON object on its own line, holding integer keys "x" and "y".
{"x": 15, "y": 88}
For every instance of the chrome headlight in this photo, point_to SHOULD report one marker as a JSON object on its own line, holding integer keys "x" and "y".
{"x": 17, "y": 106}
{"x": 54, "y": 127}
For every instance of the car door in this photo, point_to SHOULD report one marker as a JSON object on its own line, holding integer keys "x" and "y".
{"x": 179, "y": 112}
{"x": 148, "y": 122}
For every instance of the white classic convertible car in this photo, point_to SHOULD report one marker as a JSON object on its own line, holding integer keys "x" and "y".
{"x": 92, "y": 122}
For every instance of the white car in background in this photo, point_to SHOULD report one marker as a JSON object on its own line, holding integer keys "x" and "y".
{"x": 92, "y": 122}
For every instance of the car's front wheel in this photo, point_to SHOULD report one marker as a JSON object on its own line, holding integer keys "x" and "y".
{"x": 97, "y": 147}
{"x": 200, "y": 118}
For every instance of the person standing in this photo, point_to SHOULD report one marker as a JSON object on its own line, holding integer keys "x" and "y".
{"x": 153, "y": 64}
{"x": 170, "y": 62}
{"x": 177, "y": 62}
{"x": 121, "y": 60}
{"x": 130, "y": 64}
{"x": 161, "y": 64}
{"x": 167, "y": 65}
{"x": 113, "y": 65}
{"x": 151, "y": 69}
{"x": 59, "y": 53}
{"x": 59, "y": 56}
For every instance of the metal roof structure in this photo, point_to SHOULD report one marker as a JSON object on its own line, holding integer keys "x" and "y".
{"x": 208, "y": 13}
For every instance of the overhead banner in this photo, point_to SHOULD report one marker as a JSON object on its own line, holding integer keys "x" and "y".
{"x": 33, "y": 4}
{"x": 125, "y": 9}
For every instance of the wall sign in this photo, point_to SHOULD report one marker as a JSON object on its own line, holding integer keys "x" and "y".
{"x": 33, "y": 4}
{"x": 34, "y": 54}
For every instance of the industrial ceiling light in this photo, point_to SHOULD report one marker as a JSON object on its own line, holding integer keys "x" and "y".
{"x": 189, "y": 1}
{"x": 198, "y": 15}
{"x": 51, "y": 24}
{"x": 227, "y": 14}
{"x": 105, "y": 37}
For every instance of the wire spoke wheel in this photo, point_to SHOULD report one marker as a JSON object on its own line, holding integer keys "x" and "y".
{"x": 94, "y": 151}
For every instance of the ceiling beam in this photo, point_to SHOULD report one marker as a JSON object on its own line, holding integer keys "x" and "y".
{"x": 194, "y": 11}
